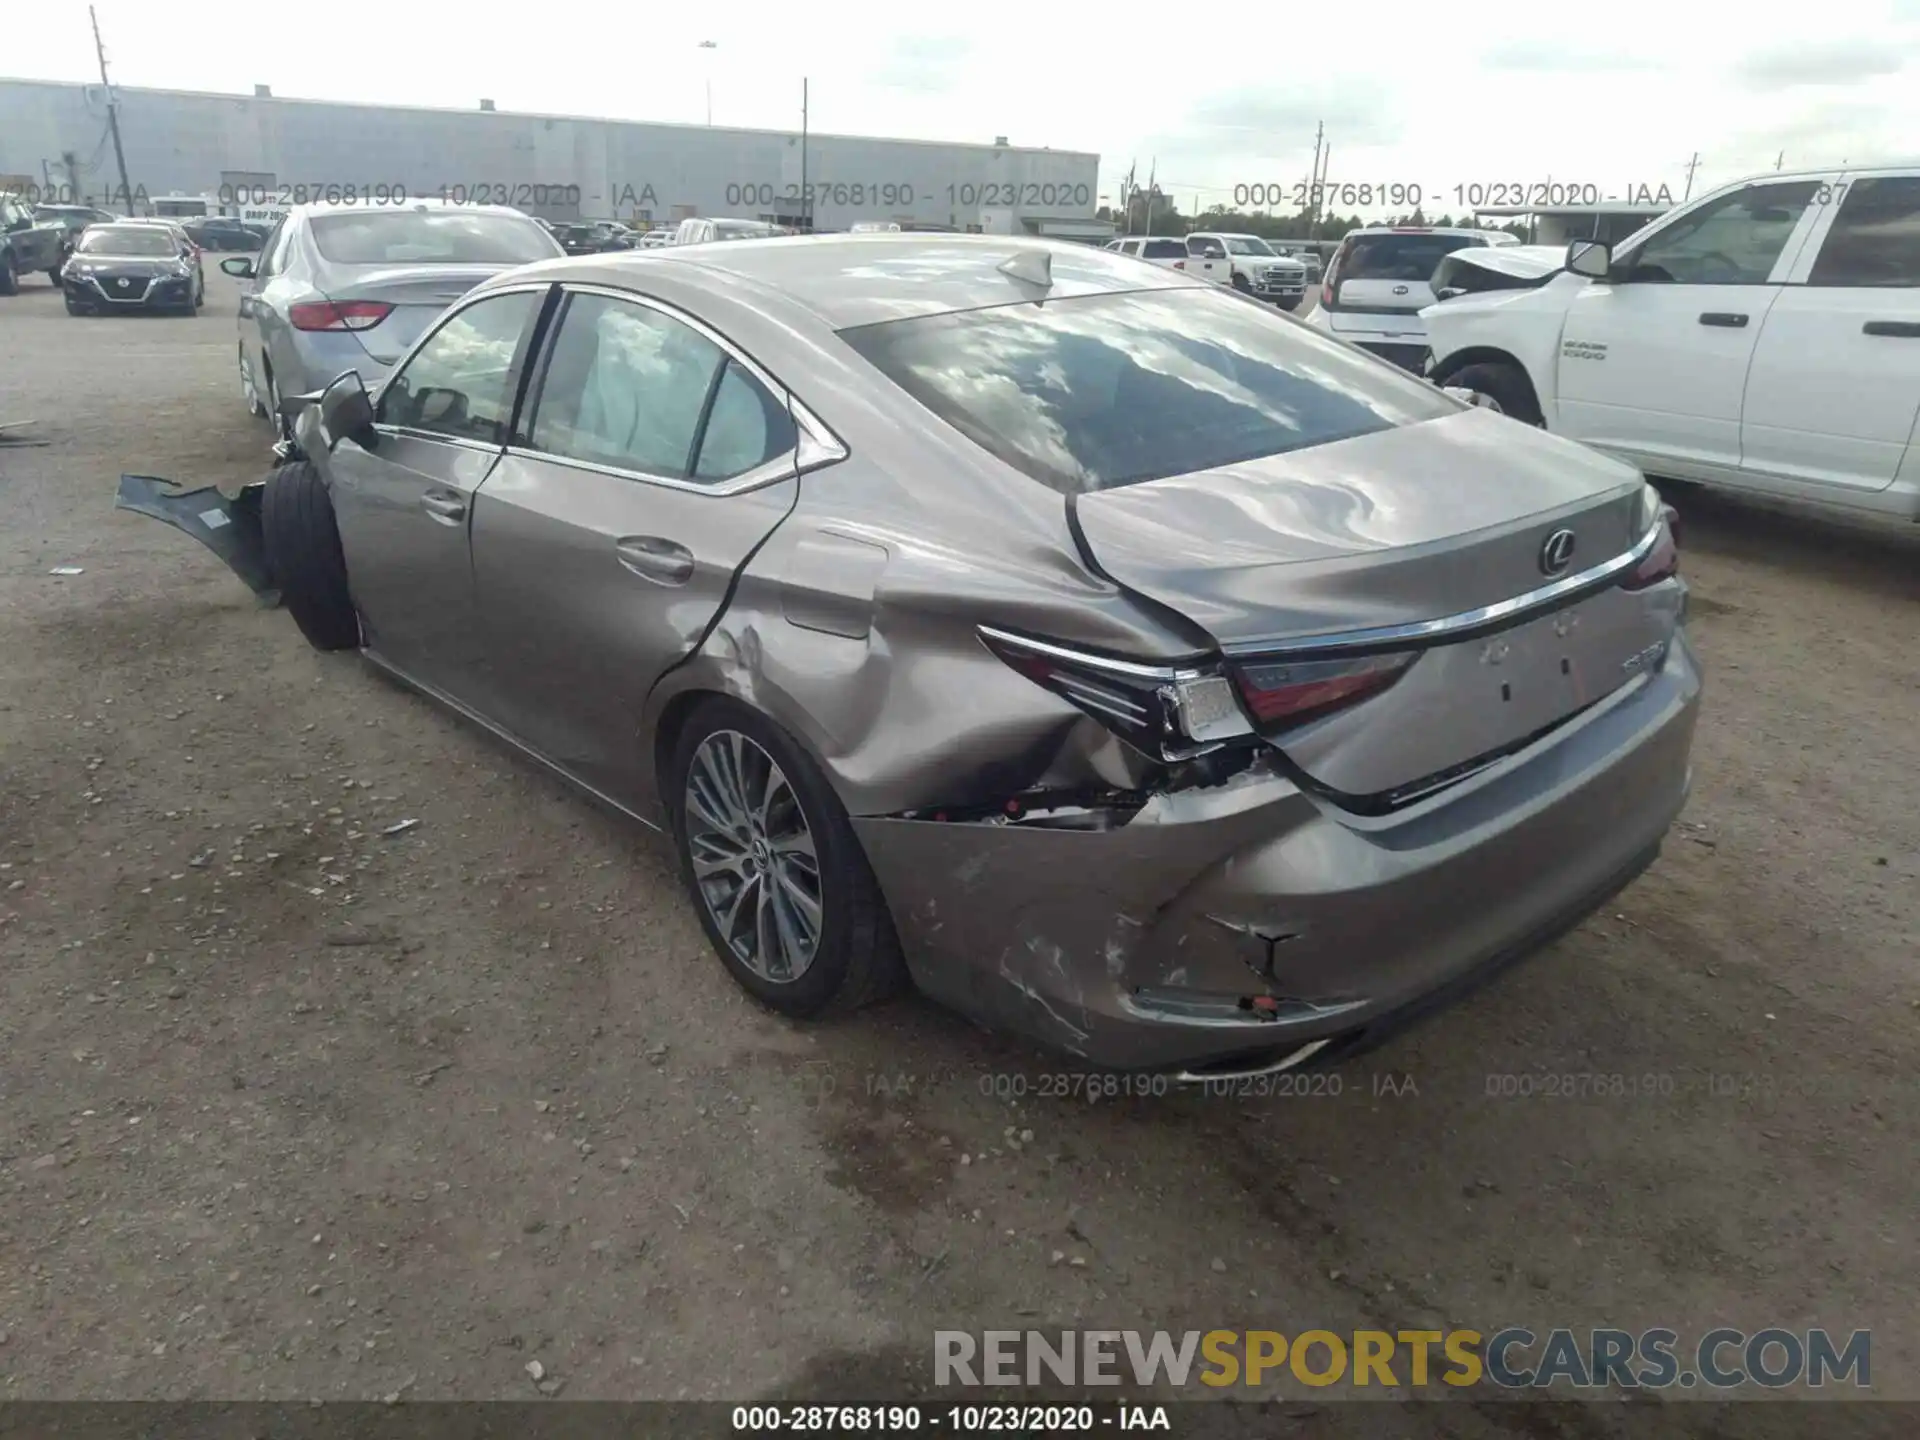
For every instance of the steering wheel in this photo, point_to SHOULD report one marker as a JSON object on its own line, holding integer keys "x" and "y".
{"x": 1727, "y": 263}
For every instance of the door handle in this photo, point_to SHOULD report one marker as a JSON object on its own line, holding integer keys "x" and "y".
{"x": 1724, "y": 318}
{"x": 449, "y": 508}
{"x": 1903, "y": 329}
{"x": 665, "y": 562}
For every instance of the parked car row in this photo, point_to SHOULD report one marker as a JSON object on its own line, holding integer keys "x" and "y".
{"x": 1247, "y": 263}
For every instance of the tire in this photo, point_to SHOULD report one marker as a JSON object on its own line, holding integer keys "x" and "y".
{"x": 74, "y": 309}
{"x": 1240, "y": 283}
{"x": 1504, "y": 384}
{"x": 9, "y": 282}
{"x": 53, "y": 276}
{"x": 855, "y": 959}
{"x": 303, "y": 553}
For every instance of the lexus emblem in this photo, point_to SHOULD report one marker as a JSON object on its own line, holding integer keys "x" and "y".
{"x": 1557, "y": 554}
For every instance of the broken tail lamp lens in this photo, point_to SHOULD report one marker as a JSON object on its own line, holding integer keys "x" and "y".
{"x": 1292, "y": 692}
{"x": 1166, "y": 712}
{"x": 338, "y": 315}
{"x": 1662, "y": 562}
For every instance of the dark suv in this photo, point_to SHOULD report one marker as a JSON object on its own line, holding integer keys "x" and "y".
{"x": 27, "y": 245}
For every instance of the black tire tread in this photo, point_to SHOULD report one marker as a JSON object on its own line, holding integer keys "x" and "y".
{"x": 1506, "y": 383}
{"x": 873, "y": 969}
{"x": 304, "y": 554}
{"x": 9, "y": 281}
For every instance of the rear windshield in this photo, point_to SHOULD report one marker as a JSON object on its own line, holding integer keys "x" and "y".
{"x": 1110, "y": 390}
{"x": 434, "y": 237}
{"x": 742, "y": 230}
{"x": 1400, "y": 257}
{"x": 127, "y": 240}
{"x": 1165, "y": 250}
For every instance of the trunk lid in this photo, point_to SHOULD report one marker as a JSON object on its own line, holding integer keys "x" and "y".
{"x": 1401, "y": 527}
{"x": 418, "y": 293}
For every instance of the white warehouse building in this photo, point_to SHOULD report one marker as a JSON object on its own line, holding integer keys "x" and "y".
{"x": 252, "y": 150}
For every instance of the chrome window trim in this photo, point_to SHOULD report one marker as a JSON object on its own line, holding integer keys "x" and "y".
{"x": 1502, "y": 612}
{"x": 816, "y": 446}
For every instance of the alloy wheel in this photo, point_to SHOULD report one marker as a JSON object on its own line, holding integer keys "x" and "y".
{"x": 247, "y": 388}
{"x": 753, "y": 857}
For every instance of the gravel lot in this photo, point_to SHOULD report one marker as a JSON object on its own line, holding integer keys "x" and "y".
{"x": 290, "y": 1108}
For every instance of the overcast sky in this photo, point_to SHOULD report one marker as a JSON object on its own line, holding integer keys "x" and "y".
{"x": 1614, "y": 92}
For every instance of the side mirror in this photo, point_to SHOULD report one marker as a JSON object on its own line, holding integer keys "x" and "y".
{"x": 346, "y": 412}
{"x": 240, "y": 267}
{"x": 1448, "y": 292}
{"x": 1591, "y": 258}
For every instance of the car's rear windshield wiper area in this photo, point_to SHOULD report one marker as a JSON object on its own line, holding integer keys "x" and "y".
{"x": 1094, "y": 392}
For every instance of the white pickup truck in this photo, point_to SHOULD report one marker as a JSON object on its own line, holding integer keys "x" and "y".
{"x": 1244, "y": 262}
{"x": 1765, "y": 337}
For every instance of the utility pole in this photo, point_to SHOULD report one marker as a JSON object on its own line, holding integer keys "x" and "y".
{"x": 1319, "y": 135}
{"x": 113, "y": 111}
{"x": 1782, "y": 160}
{"x": 1319, "y": 186}
{"x": 806, "y": 196}
{"x": 1693, "y": 165}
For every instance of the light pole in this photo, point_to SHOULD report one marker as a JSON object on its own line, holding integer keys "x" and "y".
{"x": 709, "y": 45}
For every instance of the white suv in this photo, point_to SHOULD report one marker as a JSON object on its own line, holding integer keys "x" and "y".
{"x": 1244, "y": 262}
{"x": 1765, "y": 337}
{"x": 1379, "y": 281}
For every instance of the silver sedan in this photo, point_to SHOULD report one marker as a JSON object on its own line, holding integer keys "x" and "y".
{"x": 1122, "y": 661}
{"x": 350, "y": 286}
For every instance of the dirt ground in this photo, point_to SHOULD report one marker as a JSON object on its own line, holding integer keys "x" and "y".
{"x": 292, "y": 1108}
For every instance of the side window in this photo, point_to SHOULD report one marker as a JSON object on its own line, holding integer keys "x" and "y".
{"x": 1733, "y": 241}
{"x": 625, "y": 386}
{"x": 745, "y": 428}
{"x": 1875, "y": 239}
{"x": 459, "y": 384}
{"x": 1165, "y": 250}
{"x": 1206, "y": 249}
{"x": 1129, "y": 247}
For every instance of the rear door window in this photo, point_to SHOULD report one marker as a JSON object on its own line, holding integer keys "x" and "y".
{"x": 1875, "y": 239}
{"x": 1100, "y": 391}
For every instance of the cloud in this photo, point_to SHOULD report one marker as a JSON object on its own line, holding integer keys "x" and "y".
{"x": 924, "y": 63}
{"x": 1564, "y": 58}
{"x": 1280, "y": 119}
{"x": 1819, "y": 62}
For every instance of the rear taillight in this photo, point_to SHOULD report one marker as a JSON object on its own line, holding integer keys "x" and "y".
{"x": 1291, "y": 692}
{"x": 338, "y": 315}
{"x": 1179, "y": 264}
{"x": 1662, "y": 562}
{"x": 1167, "y": 712}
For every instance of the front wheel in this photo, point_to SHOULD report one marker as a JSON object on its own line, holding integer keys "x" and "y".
{"x": 1500, "y": 386}
{"x": 774, "y": 869}
{"x": 9, "y": 282}
{"x": 302, "y": 543}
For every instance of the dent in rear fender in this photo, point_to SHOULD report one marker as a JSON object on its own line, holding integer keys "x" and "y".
{"x": 863, "y": 645}
{"x": 230, "y": 528}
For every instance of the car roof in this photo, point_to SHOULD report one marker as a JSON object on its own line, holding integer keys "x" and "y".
{"x": 849, "y": 280}
{"x": 1423, "y": 230}
{"x": 339, "y": 207}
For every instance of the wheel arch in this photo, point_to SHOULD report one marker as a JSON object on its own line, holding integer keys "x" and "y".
{"x": 1445, "y": 370}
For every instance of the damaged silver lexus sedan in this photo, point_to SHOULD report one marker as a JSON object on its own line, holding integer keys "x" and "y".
{"x": 1129, "y": 666}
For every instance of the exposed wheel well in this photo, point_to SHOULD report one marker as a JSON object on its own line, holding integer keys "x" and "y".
{"x": 1480, "y": 355}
